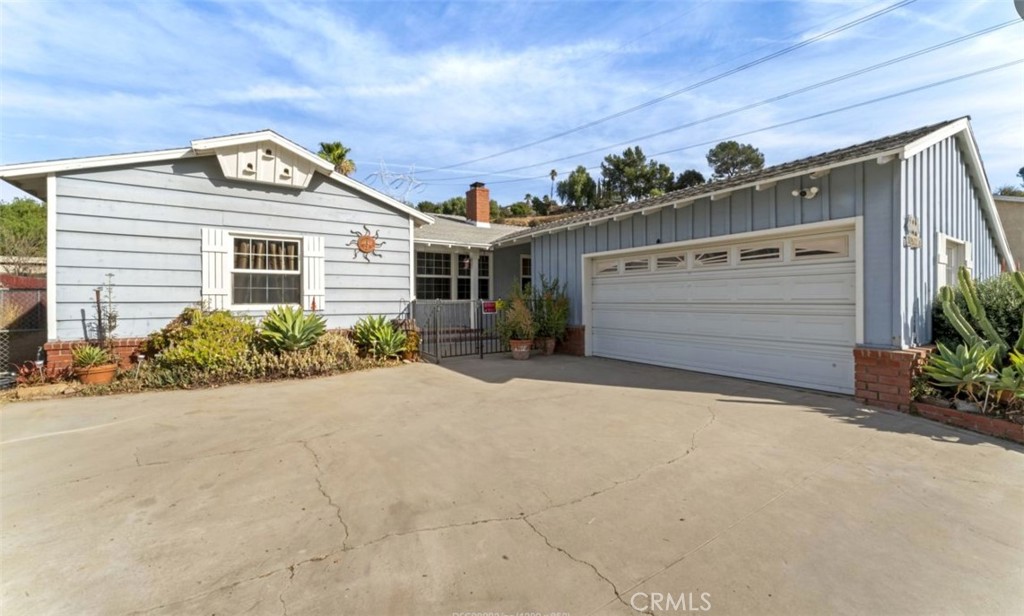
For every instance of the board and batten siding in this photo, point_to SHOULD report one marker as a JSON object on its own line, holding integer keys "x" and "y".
{"x": 938, "y": 190}
{"x": 864, "y": 189}
{"x": 144, "y": 225}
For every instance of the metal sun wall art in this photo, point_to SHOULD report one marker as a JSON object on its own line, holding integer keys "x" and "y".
{"x": 366, "y": 244}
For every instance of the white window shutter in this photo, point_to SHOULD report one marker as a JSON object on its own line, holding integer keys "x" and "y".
{"x": 216, "y": 249}
{"x": 313, "y": 274}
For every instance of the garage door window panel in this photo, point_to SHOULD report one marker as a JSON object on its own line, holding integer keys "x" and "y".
{"x": 760, "y": 254}
{"x": 634, "y": 266}
{"x": 670, "y": 262}
{"x": 836, "y": 246}
{"x": 711, "y": 258}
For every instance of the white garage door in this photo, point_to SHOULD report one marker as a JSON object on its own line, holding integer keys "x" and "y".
{"x": 780, "y": 310}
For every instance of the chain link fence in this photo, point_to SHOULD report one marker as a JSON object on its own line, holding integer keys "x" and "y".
{"x": 22, "y": 328}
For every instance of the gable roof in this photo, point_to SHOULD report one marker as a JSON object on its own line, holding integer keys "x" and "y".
{"x": 450, "y": 230}
{"x": 900, "y": 145}
{"x": 27, "y": 176}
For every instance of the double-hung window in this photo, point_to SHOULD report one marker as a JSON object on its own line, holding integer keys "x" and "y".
{"x": 484, "y": 277}
{"x": 265, "y": 271}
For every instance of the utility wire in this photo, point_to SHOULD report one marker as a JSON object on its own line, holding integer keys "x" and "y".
{"x": 750, "y": 106}
{"x": 815, "y": 116}
{"x": 693, "y": 86}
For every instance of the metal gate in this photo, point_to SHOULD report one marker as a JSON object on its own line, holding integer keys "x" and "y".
{"x": 22, "y": 329}
{"x": 456, "y": 328}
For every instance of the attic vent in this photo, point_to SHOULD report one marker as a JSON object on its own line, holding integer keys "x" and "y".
{"x": 268, "y": 153}
{"x": 249, "y": 168}
{"x": 286, "y": 173}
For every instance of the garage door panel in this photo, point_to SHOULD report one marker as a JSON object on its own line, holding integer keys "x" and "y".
{"x": 832, "y": 287}
{"x": 778, "y": 328}
{"x": 790, "y": 323}
{"x": 818, "y": 368}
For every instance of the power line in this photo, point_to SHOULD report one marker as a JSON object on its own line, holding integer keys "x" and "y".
{"x": 815, "y": 116}
{"x": 750, "y": 106}
{"x": 693, "y": 86}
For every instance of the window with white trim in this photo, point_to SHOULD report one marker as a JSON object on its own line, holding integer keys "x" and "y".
{"x": 760, "y": 254}
{"x": 821, "y": 247}
{"x": 483, "y": 284}
{"x": 632, "y": 266}
{"x": 433, "y": 275}
{"x": 951, "y": 254}
{"x": 670, "y": 262}
{"x": 265, "y": 271}
{"x": 526, "y": 270}
{"x": 709, "y": 258}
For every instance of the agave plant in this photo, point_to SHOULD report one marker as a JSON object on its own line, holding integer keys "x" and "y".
{"x": 390, "y": 342}
{"x": 1011, "y": 379}
{"x": 89, "y": 356}
{"x": 288, "y": 328}
{"x": 968, "y": 370}
{"x": 368, "y": 329}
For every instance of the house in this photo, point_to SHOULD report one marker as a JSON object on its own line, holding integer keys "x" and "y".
{"x": 818, "y": 273}
{"x": 242, "y": 222}
{"x": 1011, "y": 214}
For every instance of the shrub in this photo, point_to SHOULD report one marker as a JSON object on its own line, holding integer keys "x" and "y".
{"x": 88, "y": 356}
{"x": 551, "y": 305}
{"x": 515, "y": 319}
{"x": 390, "y": 343}
{"x": 378, "y": 337}
{"x": 287, "y": 328}
{"x": 1002, "y": 304}
{"x": 202, "y": 340}
{"x": 367, "y": 330}
{"x": 968, "y": 370}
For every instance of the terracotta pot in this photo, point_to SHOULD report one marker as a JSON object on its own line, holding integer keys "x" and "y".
{"x": 96, "y": 375}
{"x": 546, "y": 345}
{"x": 520, "y": 348}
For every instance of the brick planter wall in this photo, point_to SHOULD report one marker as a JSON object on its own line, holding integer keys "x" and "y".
{"x": 574, "y": 343}
{"x": 883, "y": 377}
{"x": 58, "y": 354}
{"x": 984, "y": 424}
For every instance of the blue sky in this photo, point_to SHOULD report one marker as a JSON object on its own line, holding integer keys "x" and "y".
{"x": 419, "y": 85}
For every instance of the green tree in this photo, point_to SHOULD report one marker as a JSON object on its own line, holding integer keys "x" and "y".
{"x": 688, "y": 178}
{"x": 520, "y": 209}
{"x": 456, "y": 206}
{"x": 579, "y": 190}
{"x": 22, "y": 233}
{"x": 553, "y": 175}
{"x": 631, "y": 176}
{"x": 730, "y": 158}
{"x": 337, "y": 154}
{"x": 1020, "y": 174}
{"x": 429, "y": 207}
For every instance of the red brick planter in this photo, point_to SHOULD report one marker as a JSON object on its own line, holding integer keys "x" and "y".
{"x": 975, "y": 422}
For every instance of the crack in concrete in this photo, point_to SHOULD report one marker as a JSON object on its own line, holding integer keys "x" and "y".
{"x": 330, "y": 501}
{"x": 522, "y": 517}
{"x": 593, "y": 568}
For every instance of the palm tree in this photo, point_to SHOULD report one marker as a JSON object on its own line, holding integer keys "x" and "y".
{"x": 553, "y": 174}
{"x": 337, "y": 154}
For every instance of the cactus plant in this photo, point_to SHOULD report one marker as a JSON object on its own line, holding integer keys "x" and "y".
{"x": 988, "y": 334}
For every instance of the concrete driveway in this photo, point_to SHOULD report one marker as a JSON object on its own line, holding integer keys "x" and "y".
{"x": 558, "y": 485}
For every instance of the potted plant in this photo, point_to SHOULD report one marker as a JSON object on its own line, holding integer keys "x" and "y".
{"x": 93, "y": 365}
{"x": 551, "y": 304}
{"x": 516, "y": 325}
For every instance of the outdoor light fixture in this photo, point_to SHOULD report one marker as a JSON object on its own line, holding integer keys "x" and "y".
{"x": 806, "y": 193}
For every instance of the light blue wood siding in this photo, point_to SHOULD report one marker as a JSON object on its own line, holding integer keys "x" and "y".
{"x": 938, "y": 190}
{"x": 506, "y": 269}
{"x": 143, "y": 225}
{"x": 864, "y": 189}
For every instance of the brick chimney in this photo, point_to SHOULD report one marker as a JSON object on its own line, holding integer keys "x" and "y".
{"x": 478, "y": 204}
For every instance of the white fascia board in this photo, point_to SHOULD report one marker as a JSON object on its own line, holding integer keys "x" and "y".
{"x": 763, "y": 186}
{"x": 623, "y": 215}
{"x": 647, "y": 211}
{"x": 934, "y": 137}
{"x": 981, "y": 186}
{"x": 24, "y": 170}
{"x": 425, "y": 243}
{"x": 718, "y": 196}
{"x": 210, "y": 145}
{"x": 678, "y": 205}
{"x": 817, "y": 174}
